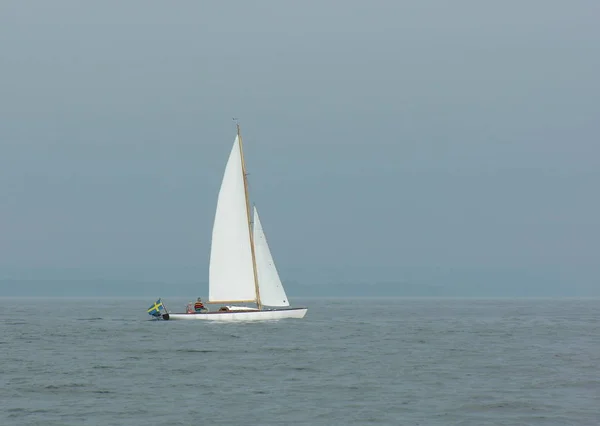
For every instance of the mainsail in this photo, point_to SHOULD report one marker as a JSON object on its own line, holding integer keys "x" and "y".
{"x": 271, "y": 289}
{"x": 231, "y": 272}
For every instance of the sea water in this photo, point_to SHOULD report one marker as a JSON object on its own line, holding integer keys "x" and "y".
{"x": 348, "y": 362}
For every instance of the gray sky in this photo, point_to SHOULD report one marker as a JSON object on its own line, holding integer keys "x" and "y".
{"x": 385, "y": 141}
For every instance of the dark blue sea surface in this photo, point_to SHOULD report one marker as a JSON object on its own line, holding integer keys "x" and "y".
{"x": 348, "y": 362}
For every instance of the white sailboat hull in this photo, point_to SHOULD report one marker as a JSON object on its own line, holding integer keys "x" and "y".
{"x": 250, "y": 315}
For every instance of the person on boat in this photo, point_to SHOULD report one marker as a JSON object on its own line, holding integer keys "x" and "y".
{"x": 199, "y": 306}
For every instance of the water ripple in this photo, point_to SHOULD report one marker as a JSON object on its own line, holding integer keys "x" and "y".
{"x": 427, "y": 362}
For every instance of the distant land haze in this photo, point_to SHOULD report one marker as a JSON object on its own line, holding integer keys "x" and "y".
{"x": 410, "y": 283}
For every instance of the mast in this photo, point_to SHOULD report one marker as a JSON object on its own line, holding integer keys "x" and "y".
{"x": 250, "y": 233}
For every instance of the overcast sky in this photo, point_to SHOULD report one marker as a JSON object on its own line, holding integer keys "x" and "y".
{"x": 385, "y": 140}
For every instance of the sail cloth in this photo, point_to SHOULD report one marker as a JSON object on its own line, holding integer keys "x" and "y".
{"x": 269, "y": 283}
{"x": 231, "y": 273}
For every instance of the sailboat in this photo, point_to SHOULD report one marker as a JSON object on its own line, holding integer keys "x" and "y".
{"x": 241, "y": 270}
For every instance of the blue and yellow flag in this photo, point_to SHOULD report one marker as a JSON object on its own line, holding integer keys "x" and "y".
{"x": 154, "y": 310}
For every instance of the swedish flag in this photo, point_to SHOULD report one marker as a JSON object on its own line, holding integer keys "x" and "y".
{"x": 154, "y": 310}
